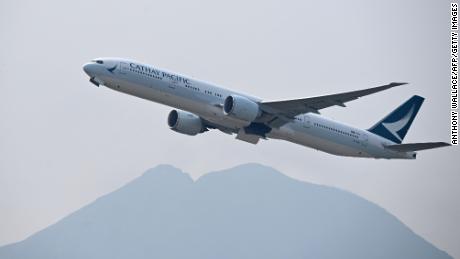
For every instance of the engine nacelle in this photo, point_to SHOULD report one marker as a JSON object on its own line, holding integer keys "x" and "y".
{"x": 185, "y": 122}
{"x": 241, "y": 108}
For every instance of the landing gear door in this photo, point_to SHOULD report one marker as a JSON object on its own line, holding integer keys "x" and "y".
{"x": 306, "y": 121}
{"x": 124, "y": 67}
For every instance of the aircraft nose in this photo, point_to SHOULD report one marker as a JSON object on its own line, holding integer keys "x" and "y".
{"x": 89, "y": 69}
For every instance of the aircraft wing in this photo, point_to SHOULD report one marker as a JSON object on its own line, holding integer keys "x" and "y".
{"x": 282, "y": 112}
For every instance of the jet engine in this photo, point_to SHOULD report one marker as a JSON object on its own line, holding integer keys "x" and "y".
{"x": 241, "y": 108}
{"x": 185, "y": 123}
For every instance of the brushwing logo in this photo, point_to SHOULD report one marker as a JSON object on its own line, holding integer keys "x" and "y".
{"x": 112, "y": 69}
{"x": 394, "y": 127}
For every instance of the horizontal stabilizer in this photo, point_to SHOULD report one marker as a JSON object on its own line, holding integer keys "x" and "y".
{"x": 416, "y": 146}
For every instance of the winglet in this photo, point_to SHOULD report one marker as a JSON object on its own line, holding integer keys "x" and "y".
{"x": 393, "y": 84}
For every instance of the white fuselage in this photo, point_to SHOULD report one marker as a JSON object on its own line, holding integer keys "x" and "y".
{"x": 205, "y": 100}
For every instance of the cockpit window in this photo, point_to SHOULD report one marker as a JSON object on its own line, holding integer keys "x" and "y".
{"x": 98, "y": 61}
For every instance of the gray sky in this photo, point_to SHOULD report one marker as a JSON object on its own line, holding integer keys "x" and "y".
{"x": 64, "y": 142}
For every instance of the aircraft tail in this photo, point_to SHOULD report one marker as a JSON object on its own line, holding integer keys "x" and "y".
{"x": 396, "y": 124}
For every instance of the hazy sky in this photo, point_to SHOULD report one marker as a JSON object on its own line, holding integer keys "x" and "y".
{"x": 65, "y": 142}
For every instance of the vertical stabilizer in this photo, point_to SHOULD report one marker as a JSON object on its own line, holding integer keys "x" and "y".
{"x": 396, "y": 124}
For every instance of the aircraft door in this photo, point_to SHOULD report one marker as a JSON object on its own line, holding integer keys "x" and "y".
{"x": 124, "y": 67}
{"x": 364, "y": 139}
{"x": 173, "y": 84}
{"x": 306, "y": 123}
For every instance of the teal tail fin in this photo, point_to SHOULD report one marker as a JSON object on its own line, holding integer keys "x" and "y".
{"x": 396, "y": 124}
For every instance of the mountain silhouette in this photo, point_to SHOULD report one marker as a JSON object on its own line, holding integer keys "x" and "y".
{"x": 249, "y": 211}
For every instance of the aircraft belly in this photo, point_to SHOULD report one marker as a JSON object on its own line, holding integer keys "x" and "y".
{"x": 302, "y": 137}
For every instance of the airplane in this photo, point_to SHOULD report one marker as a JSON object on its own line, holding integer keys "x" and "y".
{"x": 200, "y": 106}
